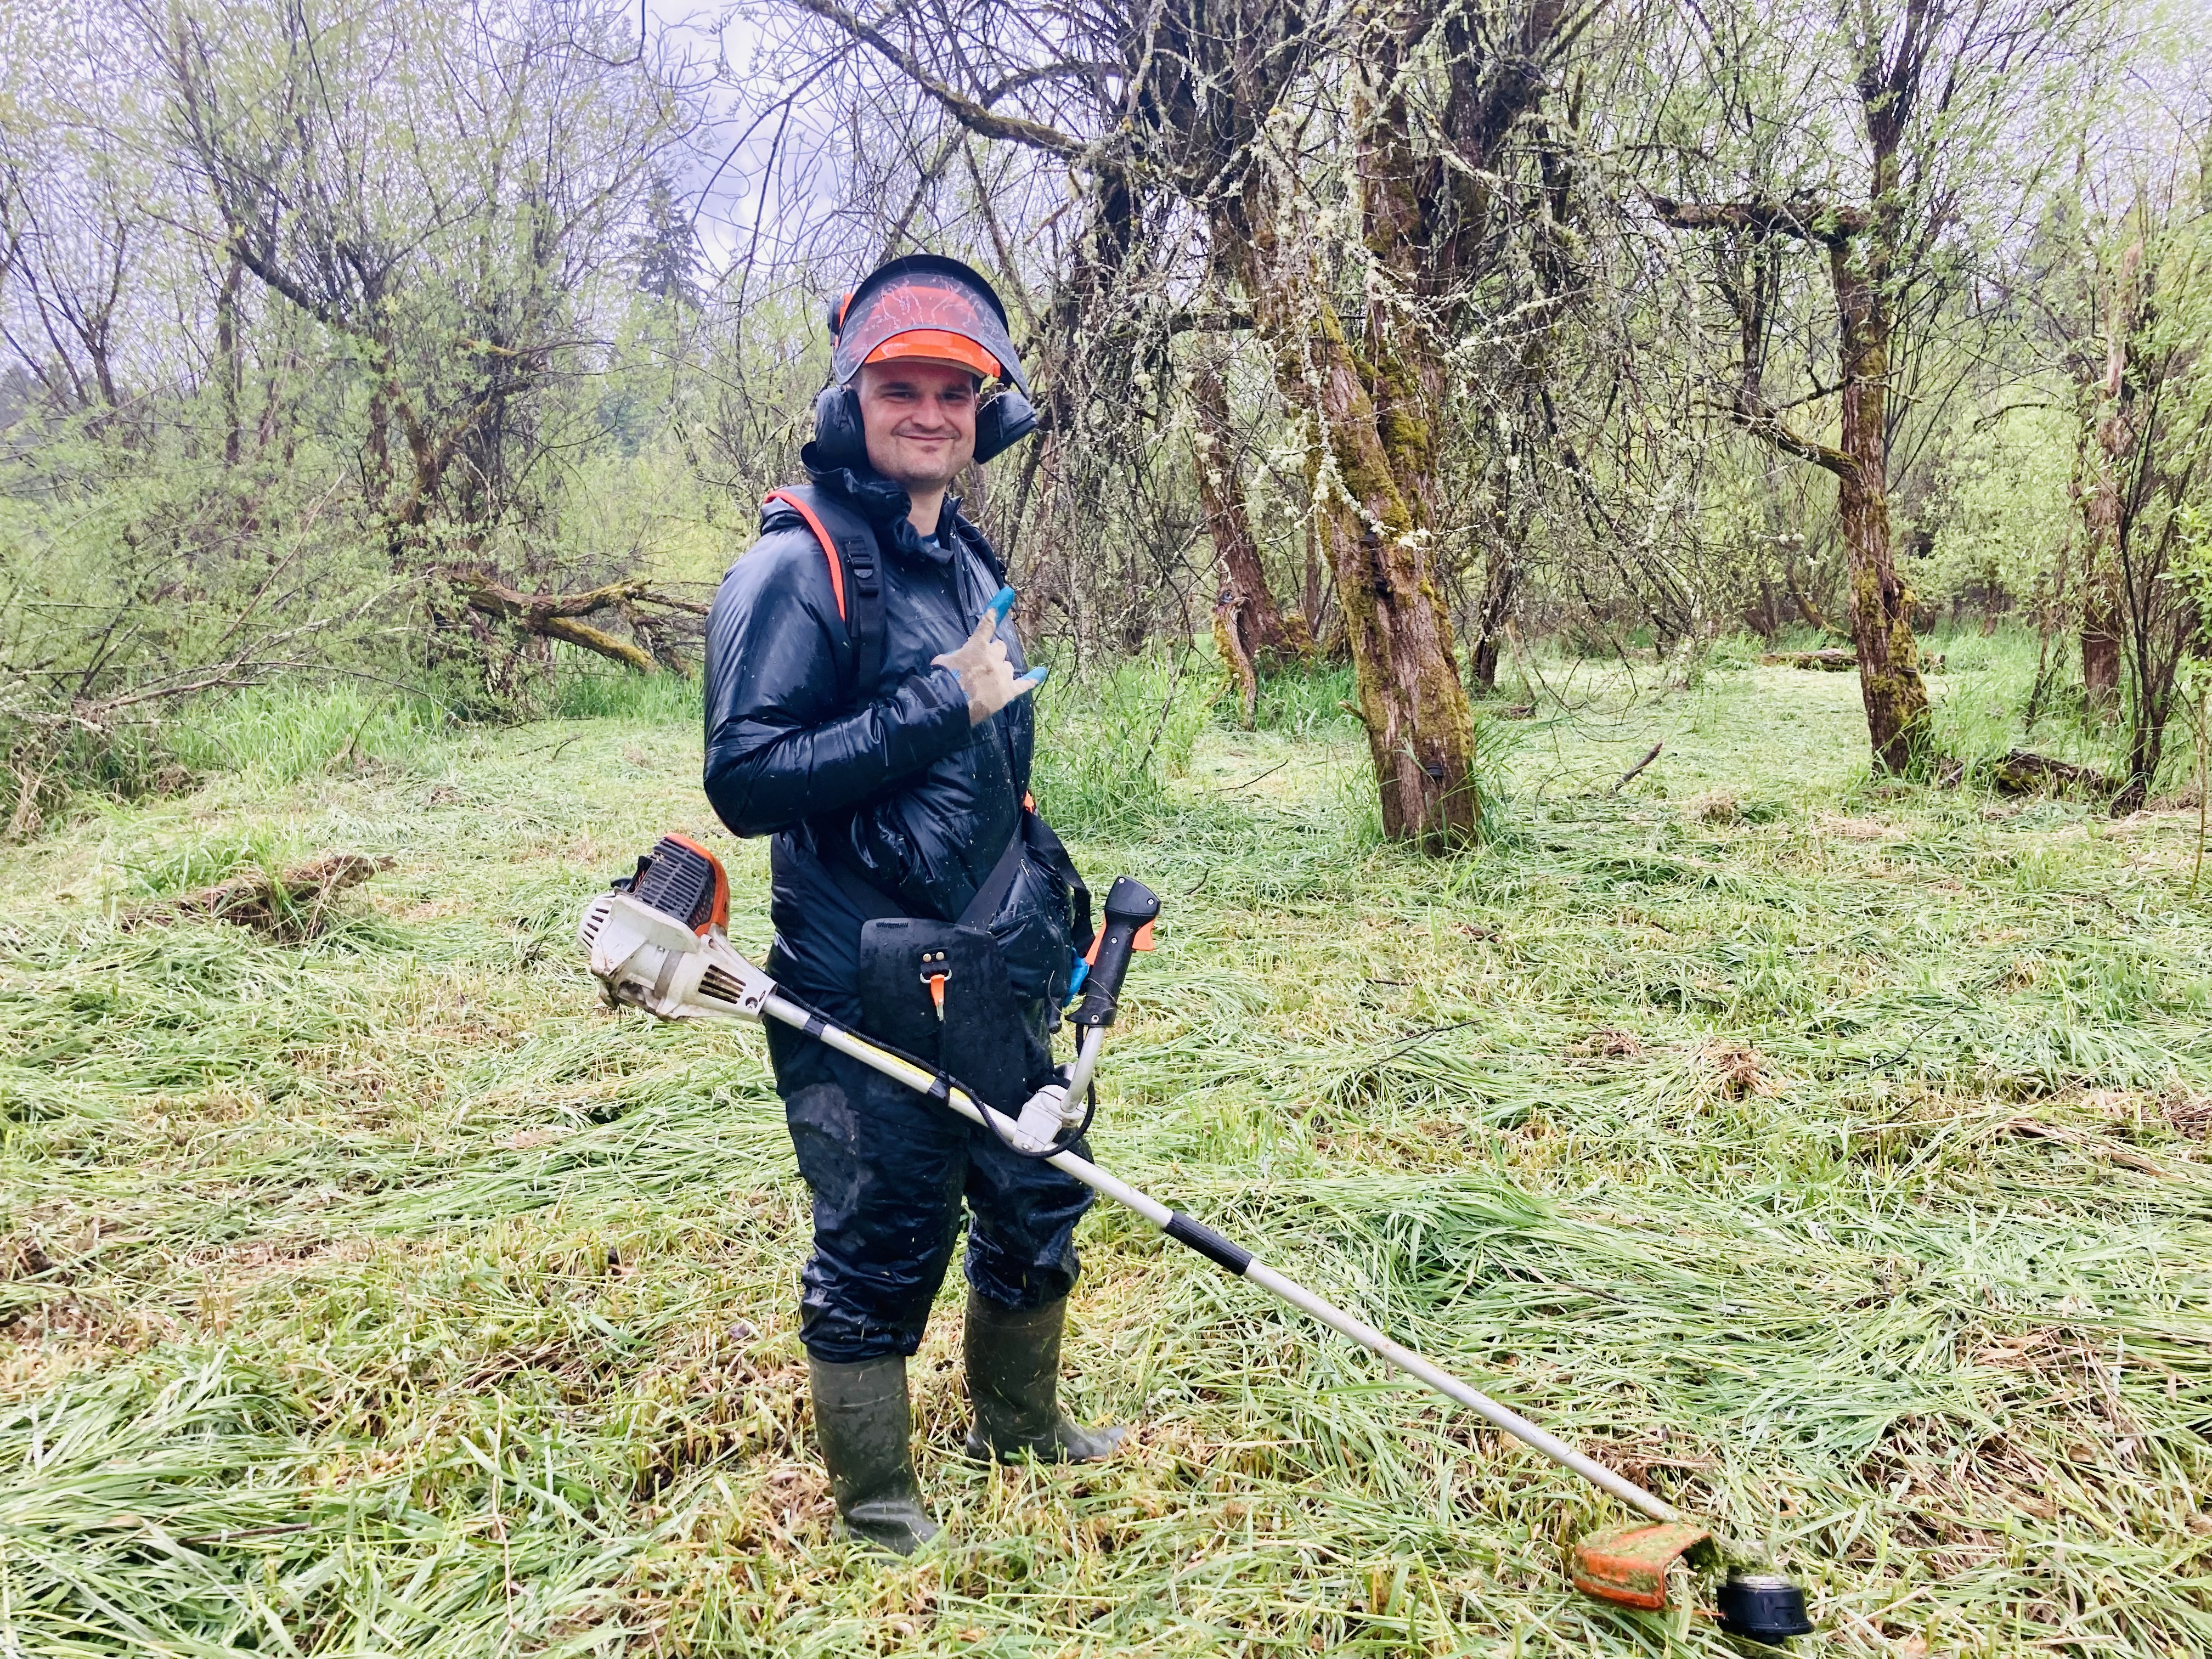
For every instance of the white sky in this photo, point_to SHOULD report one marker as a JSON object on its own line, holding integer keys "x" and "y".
{"x": 729, "y": 179}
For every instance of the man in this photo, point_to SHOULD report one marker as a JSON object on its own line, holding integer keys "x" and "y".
{"x": 867, "y": 706}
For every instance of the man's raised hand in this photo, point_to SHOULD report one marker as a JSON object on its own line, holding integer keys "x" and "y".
{"x": 986, "y": 675}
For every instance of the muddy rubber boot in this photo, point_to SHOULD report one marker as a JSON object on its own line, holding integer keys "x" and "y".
{"x": 1013, "y": 1381}
{"x": 862, "y": 1418}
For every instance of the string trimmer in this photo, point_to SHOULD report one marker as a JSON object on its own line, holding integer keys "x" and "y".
{"x": 659, "y": 942}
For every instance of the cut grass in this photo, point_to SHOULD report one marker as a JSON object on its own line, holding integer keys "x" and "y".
{"x": 1831, "y": 1156}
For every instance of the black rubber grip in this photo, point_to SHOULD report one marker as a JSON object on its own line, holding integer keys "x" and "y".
{"x": 1221, "y": 1252}
{"x": 1129, "y": 905}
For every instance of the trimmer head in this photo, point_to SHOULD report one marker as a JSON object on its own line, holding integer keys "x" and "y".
{"x": 1628, "y": 1566}
{"x": 1762, "y": 1607}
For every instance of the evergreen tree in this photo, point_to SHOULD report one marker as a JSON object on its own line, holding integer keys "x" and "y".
{"x": 667, "y": 251}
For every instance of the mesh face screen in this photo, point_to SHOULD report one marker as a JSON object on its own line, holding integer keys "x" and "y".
{"x": 930, "y": 300}
{"x": 680, "y": 883}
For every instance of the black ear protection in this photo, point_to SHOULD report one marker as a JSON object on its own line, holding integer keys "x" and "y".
{"x": 1004, "y": 422}
{"x": 840, "y": 440}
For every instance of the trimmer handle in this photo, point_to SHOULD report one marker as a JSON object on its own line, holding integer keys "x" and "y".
{"x": 1131, "y": 909}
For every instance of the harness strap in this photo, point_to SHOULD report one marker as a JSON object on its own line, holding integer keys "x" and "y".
{"x": 790, "y": 498}
{"x": 856, "y": 577}
{"x": 868, "y": 624}
{"x": 996, "y": 885}
{"x": 1049, "y": 848}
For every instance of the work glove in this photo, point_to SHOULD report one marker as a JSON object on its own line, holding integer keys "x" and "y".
{"x": 986, "y": 675}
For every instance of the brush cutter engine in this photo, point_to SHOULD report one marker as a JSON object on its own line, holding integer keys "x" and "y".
{"x": 658, "y": 941}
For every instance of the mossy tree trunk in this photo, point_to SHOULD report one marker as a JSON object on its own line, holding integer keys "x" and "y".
{"x": 1880, "y": 606}
{"x": 1371, "y": 466}
{"x": 1890, "y": 684}
{"x": 2108, "y": 440}
{"x": 1373, "y": 396}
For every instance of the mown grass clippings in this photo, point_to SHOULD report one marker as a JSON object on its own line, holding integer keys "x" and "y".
{"x": 1838, "y": 1166}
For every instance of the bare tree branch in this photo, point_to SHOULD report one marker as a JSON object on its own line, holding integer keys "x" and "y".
{"x": 976, "y": 118}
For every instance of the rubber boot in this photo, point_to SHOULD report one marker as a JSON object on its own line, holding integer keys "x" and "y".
{"x": 1013, "y": 1381}
{"x": 861, "y": 1417}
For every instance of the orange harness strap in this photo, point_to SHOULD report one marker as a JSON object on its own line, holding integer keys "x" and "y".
{"x": 829, "y": 547}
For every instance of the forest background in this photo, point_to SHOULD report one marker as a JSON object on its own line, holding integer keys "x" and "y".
{"x": 446, "y": 351}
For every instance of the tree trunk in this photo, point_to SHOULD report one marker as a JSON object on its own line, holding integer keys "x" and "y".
{"x": 2100, "y": 648}
{"x": 1313, "y": 599}
{"x": 1500, "y": 583}
{"x": 1895, "y": 695}
{"x": 230, "y": 358}
{"x": 1261, "y": 629}
{"x": 1420, "y": 728}
{"x": 1239, "y": 660}
{"x": 376, "y": 456}
{"x": 2110, "y": 442}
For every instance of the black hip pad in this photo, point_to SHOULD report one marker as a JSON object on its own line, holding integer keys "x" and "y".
{"x": 981, "y": 1040}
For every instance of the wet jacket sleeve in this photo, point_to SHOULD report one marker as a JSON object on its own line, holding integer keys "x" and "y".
{"x": 781, "y": 745}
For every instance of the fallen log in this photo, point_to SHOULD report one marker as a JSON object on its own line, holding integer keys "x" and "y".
{"x": 1829, "y": 659}
{"x": 287, "y": 908}
{"x": 560, "y": 617}
{"x": 2022, "y": 772}
{"x": 1832, "y": 660}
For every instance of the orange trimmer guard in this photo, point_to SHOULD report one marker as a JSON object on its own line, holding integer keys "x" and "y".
{"x": 1628, "y": 1564}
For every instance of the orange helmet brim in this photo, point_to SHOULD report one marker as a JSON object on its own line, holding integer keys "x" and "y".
{"x": 939, "y": 344}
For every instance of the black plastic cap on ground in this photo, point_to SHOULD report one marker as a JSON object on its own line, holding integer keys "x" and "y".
{"x": 1762, "y": 1607}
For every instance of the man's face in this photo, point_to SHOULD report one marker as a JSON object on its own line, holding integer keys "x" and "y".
{"x": 920, "y": 417}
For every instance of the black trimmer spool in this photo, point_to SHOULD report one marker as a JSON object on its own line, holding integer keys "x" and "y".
{"x": 1762, "y": 1607}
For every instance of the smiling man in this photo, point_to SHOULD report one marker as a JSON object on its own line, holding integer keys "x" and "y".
{"x": 867, "y": 706}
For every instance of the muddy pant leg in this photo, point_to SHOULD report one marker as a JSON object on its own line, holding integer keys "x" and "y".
{"x": 1021, "y": 1227}
{"x": 1023, "y": 1210}
{"x": 1022, "y": 1216}
{"x": 885, "y": 1169}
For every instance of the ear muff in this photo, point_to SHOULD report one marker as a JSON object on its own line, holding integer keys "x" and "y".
{"x": 840, "y": 440}
{"x": 1003, "y": 422}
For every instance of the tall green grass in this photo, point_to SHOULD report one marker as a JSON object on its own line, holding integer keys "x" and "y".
{"x": 1111, "y": 744}
{"x": 1832, "y": 1158}
{"x": 585, "y": 692}
{"x": 1308, "y": 703}
{"x": 279, "y": 734}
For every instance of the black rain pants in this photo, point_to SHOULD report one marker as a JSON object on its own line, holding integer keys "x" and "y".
{"x": 888, "y": 1169}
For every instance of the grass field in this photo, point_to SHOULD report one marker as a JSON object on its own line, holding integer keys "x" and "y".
{"x": 1834, "y": 1158}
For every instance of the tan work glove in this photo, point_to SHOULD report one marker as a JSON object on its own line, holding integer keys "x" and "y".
{"x": 986, "y": 675}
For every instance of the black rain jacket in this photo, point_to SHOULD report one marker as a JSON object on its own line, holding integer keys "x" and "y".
{"x": 889, "y": 780}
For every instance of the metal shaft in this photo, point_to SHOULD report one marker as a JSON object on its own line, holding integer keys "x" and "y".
{"x": 1239, "y": 1261}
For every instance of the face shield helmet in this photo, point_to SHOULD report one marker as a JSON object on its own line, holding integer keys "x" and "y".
{"x": 921, "y": 306}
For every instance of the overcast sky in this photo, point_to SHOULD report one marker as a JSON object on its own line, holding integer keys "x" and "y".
{"x": 728, "y": 180}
